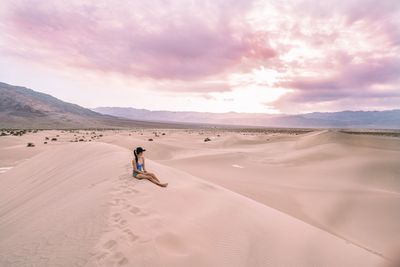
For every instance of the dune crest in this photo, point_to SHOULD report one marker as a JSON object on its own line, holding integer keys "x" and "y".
{"x": 78, "y": 205}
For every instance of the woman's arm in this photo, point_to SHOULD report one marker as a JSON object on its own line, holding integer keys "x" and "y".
{"x": 144, "y": 166}
{"x": 135, "y": 167}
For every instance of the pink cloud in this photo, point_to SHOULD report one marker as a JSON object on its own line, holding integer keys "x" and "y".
{"x": 180, "y": 46}
{"x": 372, "y": 84}
{"x": 376, "y": 71}
{"x": 383, "y": 15}
{"x": 350, "y": 71}
{"x": 194, "y": 46}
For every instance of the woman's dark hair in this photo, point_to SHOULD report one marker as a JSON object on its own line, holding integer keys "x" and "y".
{"x": 136, "y": 159}
{"x": 137, "y": 151}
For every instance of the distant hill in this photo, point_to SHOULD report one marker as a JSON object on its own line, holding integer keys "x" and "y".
{"x": 389, "y": 119}
{"x": 21, "y": 107}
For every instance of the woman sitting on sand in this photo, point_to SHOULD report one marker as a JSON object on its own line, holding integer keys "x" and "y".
{"x": 139, "y": 169}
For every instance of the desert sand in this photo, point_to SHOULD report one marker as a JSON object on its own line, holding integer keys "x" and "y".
{"x": 323, "y": 198}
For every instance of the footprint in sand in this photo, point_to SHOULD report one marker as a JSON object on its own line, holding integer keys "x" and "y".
{"x": 120, "y": 258}
{"x": 110, "y": 244}
{"x": 134, "y": 210}
{"x": 114, "y": 202}
{"x": 116, "y": 217}
{"x": 118, "y": 255}
{"x": 102, "y": 256}
{"x": 123, "y": 261}
{"x": 122, "y": 223}
{"x": 131, "y": 236}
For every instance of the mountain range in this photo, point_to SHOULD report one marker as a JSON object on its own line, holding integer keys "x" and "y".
{"x": 22, "y": 107}
{"x": 389, "y": 119}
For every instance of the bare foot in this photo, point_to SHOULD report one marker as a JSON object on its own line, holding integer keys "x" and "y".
{"x": 163, "y": 185}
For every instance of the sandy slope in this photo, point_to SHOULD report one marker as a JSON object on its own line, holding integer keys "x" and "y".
{"x": 347, "y": 185}
{"x": 77, "y": 205}
{"x": 54, "y": 205}
{"x": 196, "y": 223}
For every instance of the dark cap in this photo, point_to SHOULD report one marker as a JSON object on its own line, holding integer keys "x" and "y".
{"x": 140, "y": 149}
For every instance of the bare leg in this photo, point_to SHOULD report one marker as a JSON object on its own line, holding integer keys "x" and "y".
{"x": 153, "y": 175}
{"x": 151, "y": 179}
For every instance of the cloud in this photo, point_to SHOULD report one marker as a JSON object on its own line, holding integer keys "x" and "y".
{"x": 340, "y": 54}
{"x": 381, "y": 16}
{"x": 366, "y": 85}
{"x": 322, "y": 54}
{"x": 357, "y": 76}
{"x": 157, "y": 39}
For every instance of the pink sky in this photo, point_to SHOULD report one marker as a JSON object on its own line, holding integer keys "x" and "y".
{"x": 218, "y": 56}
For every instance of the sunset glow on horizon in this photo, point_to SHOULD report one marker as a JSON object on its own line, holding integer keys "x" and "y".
{"x": 214, "y": 56}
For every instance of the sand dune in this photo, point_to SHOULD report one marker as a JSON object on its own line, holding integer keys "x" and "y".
{"x": 239, "y": 200}
{"x": 197, "y": 223}
{"x": 347, "y": 185}
{"x": 54, "y": 205}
